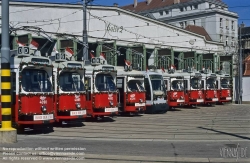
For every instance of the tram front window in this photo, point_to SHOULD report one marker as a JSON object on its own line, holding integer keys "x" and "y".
{"x": 71, "y": 82}
{"x": 135, "y": 85}
{"x": 35, "y": 81}
{"x": 224, "y": 83}
{"x": 105, "y": 82}
{"x": 211, "y": 83}
{"x": 177, "y": 85}
{"x": 157, "y": 83}
{"x": 195, "y": 83}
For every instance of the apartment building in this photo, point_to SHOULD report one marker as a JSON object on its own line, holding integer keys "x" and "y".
{"x": 212, "y": 15}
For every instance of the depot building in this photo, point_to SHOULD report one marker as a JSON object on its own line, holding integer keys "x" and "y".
{"x": 117, "y": 33}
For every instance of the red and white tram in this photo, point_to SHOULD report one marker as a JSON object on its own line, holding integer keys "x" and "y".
{"x": 32, "y": 90}
{"x": 131, "y": 91}
{"x": 208, "y": 84}
{"x": 192, "y": 88}
{"x": 223, "y": 88}
{"x": 101, "y": 89}
{"x": 175, "y": 87}
{"x": 70, "y": 95}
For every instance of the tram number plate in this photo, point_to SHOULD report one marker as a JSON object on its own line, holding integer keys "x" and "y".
{"x": 139, "y": 104}
{"x": 200, "y": 100}
{"x": 180, "y": 100}
{"x": 80, "y": 112}
{"x": 111, "y": 109}
{"x": 228, "y": 98}
{"x": 215, "y": 99}
{"x": 43, "y": 117}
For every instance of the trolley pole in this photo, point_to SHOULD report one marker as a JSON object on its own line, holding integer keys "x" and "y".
{"x": 84, "y": 32}
{"x": 7, "y": 133}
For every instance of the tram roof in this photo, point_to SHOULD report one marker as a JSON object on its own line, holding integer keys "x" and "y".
{"x": 69, "y": 64}
{"x": 90, "y": 68}
{"x": 35, "y": 60}
{"x": 121, "y": 71}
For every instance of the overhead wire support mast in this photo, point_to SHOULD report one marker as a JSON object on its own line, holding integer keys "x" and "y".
{"x": 84, "y": 32}
{"x": 7, "y": 133}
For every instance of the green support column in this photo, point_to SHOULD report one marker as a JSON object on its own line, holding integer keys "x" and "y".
{"x": 195, "y": 59}
{"x": 215, "y": 62}
{"x": 144, "y": 58}
{"x": 181, "y": 61}
{"x": 172, "y": 56}
{"x": 115, "y": 54}
{"x": 74, "y": 48}
{"x": 156, "y": 57}
{"x": 29, "y": 38}
{"x": 14, "y": 43}
{"x": 199, "y": 60}
{"x": 98, "y": 50}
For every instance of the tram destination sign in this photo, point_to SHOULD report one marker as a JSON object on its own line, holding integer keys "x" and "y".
{"x": 106, "y": 68}
{"x": 74, "y": 65}
{"x": 40, "y": 61}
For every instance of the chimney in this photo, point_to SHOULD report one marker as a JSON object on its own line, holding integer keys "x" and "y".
{"x": 148, "y": 2}
{"x": 135, "y": 3}
{"x": 115, "y": 4}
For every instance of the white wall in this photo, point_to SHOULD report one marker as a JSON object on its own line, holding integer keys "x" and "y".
{"x": 107, "y": 23}
{"x": 245, "y": 88}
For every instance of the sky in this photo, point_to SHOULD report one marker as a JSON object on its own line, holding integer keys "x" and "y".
{"x": 242, "y": 7}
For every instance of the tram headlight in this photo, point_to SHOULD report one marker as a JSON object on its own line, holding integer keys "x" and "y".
{"x": 140, "y": 100}
{"x": 78, "y": 106}
{"x": 111, "y": 103}
{"x": 43, "y": 108}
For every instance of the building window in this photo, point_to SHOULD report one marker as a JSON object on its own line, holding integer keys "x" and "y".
{"x": 232, "y": 25}
{"x": 221, "y": 22}
{"x": 226, "y": 41}
{"x": 167, "y": 12}
{"x": 195, "y": 7}
{"x": 181, "y": 24}
{"x": 232, "y": 42}
{"x": 193, "y": 22}
{"x": 221, "y": 38}
{"x": 161, "y": 13}
{"x": 210, "y": 5}
{"x": 185, "y": 8}
{"x": 185, "y": 24}
{"x": 181, "y": 9}
{"x": 191, "y": 7}
{"x": 227, "y": 24}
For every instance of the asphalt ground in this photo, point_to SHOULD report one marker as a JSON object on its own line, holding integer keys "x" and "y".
{"x": 203, "y": 134}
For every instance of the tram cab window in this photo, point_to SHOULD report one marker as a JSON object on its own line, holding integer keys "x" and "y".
{"x": 135, "y": 85}
{"x": 71, "y": 82}
{"x": 224, "y": 83}
{"x": 177, "y": 85}
{"x": 105, "y": 82}
{"x": 195, "y": 83}
{"x": 210, "y": 83}
{"x": 34, "y": 80}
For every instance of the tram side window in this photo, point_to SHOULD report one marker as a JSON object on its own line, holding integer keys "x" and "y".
{"x": 13, "y": 87}
{"x": 147, "y": 87}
